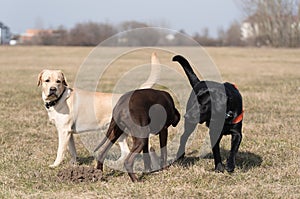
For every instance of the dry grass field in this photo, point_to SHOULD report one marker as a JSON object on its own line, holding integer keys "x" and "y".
{"x": 267, "y": 162}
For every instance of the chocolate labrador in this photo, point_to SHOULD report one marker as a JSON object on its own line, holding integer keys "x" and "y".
{"x": 140, "y": 113}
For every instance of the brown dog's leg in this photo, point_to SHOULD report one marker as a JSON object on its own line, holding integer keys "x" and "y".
{"x": 146, "y": 156}
{"x": 138, "y": 145}
{"x": 112, "y": 136}
{"x": 163, "y": 137}
{"x": 106, "y": 146}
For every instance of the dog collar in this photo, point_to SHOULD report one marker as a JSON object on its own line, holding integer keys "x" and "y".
{"x": 54, "y": 102}
{"x": 239, "y": 118}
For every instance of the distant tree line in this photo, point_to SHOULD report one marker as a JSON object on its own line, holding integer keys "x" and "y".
{"x": 82, "y": 34}
{"x": 274, "y": 23}
{"x": 92, "y": 33}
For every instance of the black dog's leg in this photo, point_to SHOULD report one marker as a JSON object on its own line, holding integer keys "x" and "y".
{"x": 188, "y": 130}
{"x": 219, "y": 167}
{"x": 163, "y": 138}
{"x": 236, "y": 138}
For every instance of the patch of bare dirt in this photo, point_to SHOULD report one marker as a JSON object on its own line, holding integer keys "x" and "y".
{"x": 80, "y": 174}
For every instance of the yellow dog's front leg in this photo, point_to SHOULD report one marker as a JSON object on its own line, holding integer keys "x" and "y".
{"x": 64, "y": 138}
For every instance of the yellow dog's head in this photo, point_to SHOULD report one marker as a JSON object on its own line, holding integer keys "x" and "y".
{"x": 53, "y": 84}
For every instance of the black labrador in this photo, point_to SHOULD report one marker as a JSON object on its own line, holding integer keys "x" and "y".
{"x": 218, "y": 105}
{"x": 140, "y": 112}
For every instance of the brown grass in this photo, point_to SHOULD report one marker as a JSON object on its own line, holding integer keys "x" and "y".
{"x": 267, "y": 164}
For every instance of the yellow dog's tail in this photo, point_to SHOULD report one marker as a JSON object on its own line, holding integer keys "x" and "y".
{"x": 154, "y": 74}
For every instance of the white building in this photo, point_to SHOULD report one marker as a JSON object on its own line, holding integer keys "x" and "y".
{"x": 5, "y": 34}
{"x": 249, "y": 30}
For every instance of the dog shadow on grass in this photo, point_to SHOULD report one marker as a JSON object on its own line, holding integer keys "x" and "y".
{"x": 247, "y": 160}
{"x": 244, "y": 160}
{"x": 85, "y": 160}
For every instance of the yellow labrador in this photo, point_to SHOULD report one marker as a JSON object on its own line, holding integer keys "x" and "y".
{"x": 67, "y": 109}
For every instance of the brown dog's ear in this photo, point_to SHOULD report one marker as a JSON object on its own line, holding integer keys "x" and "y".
{"x": 39, "y": 82}
{"x": 64, "y": 81}
{"x": 176, "y": 118}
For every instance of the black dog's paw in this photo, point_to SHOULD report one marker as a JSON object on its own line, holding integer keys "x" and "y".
{"x": 229, "y": 167}
{"x": 219, "y": 168}
{"x": 180, "y": 157}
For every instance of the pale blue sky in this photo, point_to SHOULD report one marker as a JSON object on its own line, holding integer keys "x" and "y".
{"x": 190, "y": 15}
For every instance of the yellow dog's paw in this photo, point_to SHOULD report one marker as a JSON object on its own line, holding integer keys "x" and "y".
{"x": 53, "y": 165}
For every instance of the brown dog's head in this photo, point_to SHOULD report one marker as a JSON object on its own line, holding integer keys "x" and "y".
{"x": 53, "y": 84}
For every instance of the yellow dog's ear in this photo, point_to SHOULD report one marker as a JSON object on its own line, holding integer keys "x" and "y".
{"x": 64, "y": 81}
{"x": 39, "y": 82}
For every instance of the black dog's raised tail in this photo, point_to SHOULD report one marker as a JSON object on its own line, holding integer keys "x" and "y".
{"x": 187, "y": 69}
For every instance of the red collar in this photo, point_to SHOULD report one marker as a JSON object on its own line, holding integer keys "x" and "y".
{"x": 235, "y": 86}
{"x": 239, "y": 118}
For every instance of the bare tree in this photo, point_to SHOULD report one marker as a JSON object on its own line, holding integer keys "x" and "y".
{"x": 90, "y": 34}
{"x": 205, "y": 39}
{"x": 275, "y": 22}
{"x": 138, "y": 38}
{"x": 233, "y": 35}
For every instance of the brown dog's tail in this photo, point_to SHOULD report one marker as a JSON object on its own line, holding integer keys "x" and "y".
{"x": 187, "y": 69}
